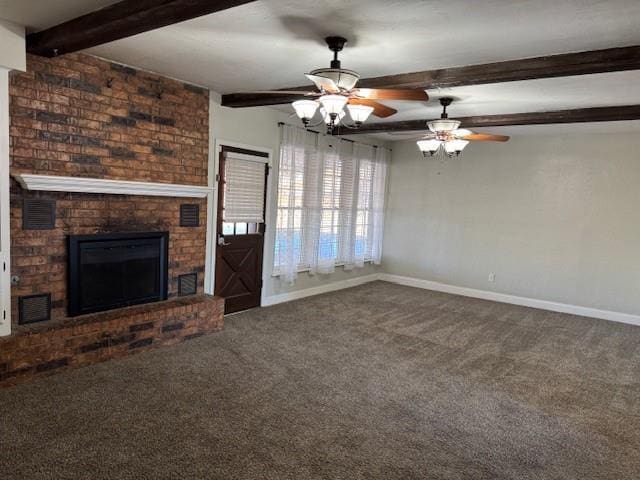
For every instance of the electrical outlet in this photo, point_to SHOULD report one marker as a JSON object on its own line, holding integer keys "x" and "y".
{"x": 492, "y": 277}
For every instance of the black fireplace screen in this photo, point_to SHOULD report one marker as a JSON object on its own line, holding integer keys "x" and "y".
{"x": 109, "y": 271}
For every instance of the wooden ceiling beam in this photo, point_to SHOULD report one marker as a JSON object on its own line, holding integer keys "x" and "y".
{"x": 550, "y": 66}
{"x": 563, "y": 65}
{"x": 578, "y": 115}
{"x": 120, "y": 20}
{"x": 240, "y": 100}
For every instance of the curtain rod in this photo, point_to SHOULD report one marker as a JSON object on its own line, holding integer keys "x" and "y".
{"x": 317, "y": 133}
{"x": 280, "y": 124}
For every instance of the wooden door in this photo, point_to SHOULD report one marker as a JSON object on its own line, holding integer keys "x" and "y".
{"x": 239, "y": 248}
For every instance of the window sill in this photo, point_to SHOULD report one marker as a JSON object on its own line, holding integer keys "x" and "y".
{"x": 275, "y": 274}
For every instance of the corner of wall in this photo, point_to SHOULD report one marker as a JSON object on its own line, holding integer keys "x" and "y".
{"x": 13, "y": 54}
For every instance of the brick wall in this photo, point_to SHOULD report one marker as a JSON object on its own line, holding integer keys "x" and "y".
{"x": 81, "y": 116}
{"x": 78, "y": 115}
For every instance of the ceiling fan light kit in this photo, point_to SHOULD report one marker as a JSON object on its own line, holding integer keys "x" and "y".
{"x": 336, "y": 92}
{"x": 445, "y": 135}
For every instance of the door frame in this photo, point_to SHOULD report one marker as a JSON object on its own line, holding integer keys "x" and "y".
{"x": 212, "y": 213}
{"x": 5, "y": 241}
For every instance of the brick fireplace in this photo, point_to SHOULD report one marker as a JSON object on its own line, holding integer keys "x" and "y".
{"x": 80, "y": 116}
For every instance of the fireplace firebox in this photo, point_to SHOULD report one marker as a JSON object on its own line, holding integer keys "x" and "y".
{"x": 115, "y": 270}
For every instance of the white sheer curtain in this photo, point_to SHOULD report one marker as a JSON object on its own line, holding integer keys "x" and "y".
{"x": 331, "y": 196}
{"x": 298, "y": 151}
{"x": 378, "y": 197}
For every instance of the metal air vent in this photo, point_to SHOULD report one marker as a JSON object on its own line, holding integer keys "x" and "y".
{"x": 187, "y": 284}
{"x": 38, "y": 214}
{"x": 189, "y": 215}
{"x": 35, "y": 308}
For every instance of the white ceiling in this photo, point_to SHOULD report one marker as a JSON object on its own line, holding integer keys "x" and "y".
{"x": 271, "y": 43}
{"x": 39, "y": 14}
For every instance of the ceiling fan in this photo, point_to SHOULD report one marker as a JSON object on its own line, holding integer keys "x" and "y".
{"x": 336, "y": 90}
{"x": 444, "y": 135}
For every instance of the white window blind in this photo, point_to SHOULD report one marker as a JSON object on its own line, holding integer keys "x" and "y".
{"x": 244, "y": 181}
{"x": 330, "y": 203}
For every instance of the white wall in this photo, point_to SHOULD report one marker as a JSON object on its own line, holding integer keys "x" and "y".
{"x": 12, "y": 56}
{"x": 258, "y": 127}
{"x": 12, "y": 47}
{"x": 555, "y": 217}
{"x": 5, "y": 267}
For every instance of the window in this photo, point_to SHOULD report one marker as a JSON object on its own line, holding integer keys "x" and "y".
{"x": 364, "y": 227}
{"x": 288, "y": 245}
{"x": 330, "y": 203}
{"x": 240, "y": 228}
{"x": 244, "y": 190}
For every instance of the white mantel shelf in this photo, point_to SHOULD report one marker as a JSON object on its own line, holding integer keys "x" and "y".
{"x": 55, "y": 183}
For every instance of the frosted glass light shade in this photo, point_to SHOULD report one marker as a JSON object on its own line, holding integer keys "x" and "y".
{"x": 344, "y": 79}
{"x": 429, "y": 146}
{"x": 359, "y": 113}
{"x": 333, "y": 104}
{"x": 443, "y": 125}
{"x": 455, "y": 146}
{"x": 305, "y": 109}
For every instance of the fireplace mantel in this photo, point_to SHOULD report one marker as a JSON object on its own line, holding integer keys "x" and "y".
{"x": 55, "y": 183}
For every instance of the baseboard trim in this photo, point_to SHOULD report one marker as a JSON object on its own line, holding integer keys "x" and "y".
{"x": 512, "y": 299}
{"x": 308, "y": 292}
{"x": 456, "y": 290}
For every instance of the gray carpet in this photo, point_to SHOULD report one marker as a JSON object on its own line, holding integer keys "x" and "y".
{"x": 376, "y": 382}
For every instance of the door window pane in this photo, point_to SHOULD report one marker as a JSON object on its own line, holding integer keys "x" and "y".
{"x": 227, "y": 228}
{"x": 241, "y": 228}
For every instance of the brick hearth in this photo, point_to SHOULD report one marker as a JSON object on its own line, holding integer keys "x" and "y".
{"x": 42, "y": 349}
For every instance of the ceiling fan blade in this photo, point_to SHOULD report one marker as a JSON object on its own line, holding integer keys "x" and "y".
{"x": 485, "y": 137}
{"x": 392, "y": 94}
{"x": 379, "y": 110}
{"x": 323, "y": 83}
